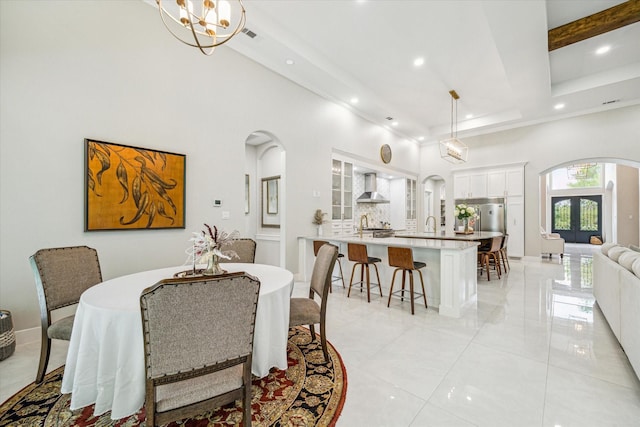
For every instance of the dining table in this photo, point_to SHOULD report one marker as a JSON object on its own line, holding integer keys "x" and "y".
{"x": 105, "y": 360}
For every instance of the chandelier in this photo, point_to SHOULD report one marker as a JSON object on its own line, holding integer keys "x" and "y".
{"x": 206, "y": 25}
{"x": 452, "y": 149}
{"x": 580, "y": 171}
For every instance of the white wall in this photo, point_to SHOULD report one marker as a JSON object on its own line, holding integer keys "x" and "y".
{"x": 109, "y": 70}
{"x": 612, "y": 134}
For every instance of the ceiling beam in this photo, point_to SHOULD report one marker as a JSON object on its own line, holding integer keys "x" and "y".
{"x": 599, "y": 23}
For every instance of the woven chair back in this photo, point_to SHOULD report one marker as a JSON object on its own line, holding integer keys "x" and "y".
{"x": 197, "y": 322}
{"x": 63, "y": 274}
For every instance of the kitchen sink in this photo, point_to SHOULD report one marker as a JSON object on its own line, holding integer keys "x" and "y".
{"x": 383, "y": 232}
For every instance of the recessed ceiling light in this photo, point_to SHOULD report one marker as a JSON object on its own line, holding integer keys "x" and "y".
{"x": 418, "y": 62}
{"x": 469, "y": 116}
{"x": 603, "y": 49}
{"x": 558, "y": 106}
{"x": 394, "y": 124}
{"x": 354, "y": 100}
{"x": 289, "y": 62}
{"x": 421, "y": 138}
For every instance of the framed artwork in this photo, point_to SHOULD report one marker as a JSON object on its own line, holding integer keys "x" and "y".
{"x": 246, "y": 194}
{"x": 270, "y": 216}
{"x": 132, "y": 188}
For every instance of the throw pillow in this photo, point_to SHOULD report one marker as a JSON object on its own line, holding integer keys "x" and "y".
{"x": 614, "y": 253}
{"x": 606, "y": 247}
{"x": 628, "y": 258}
{"x": 634, "y": 248}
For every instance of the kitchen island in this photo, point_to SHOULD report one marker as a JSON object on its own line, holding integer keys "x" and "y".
{"x": 450, "y": 235}
{"x": 450, "y": 276}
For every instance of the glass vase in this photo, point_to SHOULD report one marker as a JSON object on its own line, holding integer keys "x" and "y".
{"x": 213, "y": 266}
{"x": 467, "y": 230}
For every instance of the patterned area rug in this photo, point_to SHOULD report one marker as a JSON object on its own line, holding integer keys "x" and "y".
{"x": 310, "y": 392}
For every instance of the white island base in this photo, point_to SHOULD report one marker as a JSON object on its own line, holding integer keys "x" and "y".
{"x": 450, "y": 276}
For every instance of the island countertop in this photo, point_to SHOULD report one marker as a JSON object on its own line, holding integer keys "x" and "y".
{"x": 449, "y": 235}
{"x": 413, "y": 240}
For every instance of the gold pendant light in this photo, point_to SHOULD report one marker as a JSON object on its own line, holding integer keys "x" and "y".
{"x": 452, "y": 149}
{"x": 206, "y": 25}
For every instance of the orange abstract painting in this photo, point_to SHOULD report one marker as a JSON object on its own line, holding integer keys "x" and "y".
{"x": 133, "y": 188}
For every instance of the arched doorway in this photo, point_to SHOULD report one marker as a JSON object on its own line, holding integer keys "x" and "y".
{"x": 265, "y": 196}
{"x": 591, "y": 197}
{"x": 433, "y": 202}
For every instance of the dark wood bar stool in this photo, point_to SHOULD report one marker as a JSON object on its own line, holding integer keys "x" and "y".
{"x": 402, "y": 259}
{"x": 491, "y": 254}
{"x": 358, "y": 253}
{"x": 317, "y": 244}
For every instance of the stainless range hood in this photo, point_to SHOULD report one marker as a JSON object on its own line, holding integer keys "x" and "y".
{"x": 370, "y": 194}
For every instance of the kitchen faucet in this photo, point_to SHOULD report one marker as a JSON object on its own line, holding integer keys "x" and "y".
{"x": 426, "y": 225}
{"x": 366, "y": 220}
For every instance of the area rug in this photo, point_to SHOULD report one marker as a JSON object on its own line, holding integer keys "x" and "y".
{"x": 310, "y": 392}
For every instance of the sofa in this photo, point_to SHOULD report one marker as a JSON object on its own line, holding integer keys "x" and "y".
{"x": 616, "y": 287}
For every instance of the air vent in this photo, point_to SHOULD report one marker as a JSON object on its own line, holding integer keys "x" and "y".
{"x": 249, "y": 32}
{"x": 613, "y": 101}
{"x": 389, "y": 118}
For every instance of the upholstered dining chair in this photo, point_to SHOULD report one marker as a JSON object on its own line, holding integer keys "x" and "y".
{"x": 213, "y": 317}
{"x": 317, "y": 244}
{"x": 307, "y": 311}
{"x": 245, "y": 248}
{"x": 61, "y": 275}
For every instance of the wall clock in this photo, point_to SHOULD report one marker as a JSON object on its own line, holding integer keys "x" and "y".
{"x": 385, "y": 153}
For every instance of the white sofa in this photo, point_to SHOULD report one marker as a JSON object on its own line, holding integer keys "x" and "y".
{"x": 551, "y": 243}
{"x": 616, "y": 288}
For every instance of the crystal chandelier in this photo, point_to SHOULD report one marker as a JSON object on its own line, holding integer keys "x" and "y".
{"x": 452, "y": 149}
{"x": 206, "y": 25}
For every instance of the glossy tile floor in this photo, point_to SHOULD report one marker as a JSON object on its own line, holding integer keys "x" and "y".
{"x": 535, "y": 352}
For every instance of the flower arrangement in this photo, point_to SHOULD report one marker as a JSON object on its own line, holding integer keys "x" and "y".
{"x": 210, "y": 243}
{"x": 318, "y": 217}
{"x": 463, "y": 211}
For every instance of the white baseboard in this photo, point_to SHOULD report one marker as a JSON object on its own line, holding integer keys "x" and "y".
{"x": 26, "y": 336}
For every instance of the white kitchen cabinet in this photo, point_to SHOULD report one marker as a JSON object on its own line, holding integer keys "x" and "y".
{"x": 515, "y": 226}
{"x": 403, "y": 215}
{"x": 342, "y": 197}
{"x": 470, "y": 185}
{"x": 515, "y": 182}
{"x": 505, "y": 182}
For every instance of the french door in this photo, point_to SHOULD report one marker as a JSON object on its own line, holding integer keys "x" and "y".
{"x": 577, "y": 218}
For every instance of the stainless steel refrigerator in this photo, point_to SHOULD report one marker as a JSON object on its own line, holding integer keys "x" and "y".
{"x": 491, "y": 214}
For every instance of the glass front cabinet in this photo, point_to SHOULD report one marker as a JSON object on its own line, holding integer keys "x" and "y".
{"x": 342, "y": 197}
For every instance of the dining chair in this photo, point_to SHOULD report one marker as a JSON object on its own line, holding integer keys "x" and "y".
{"x": 503, "y": 254}
{"x": 402, "y": 259}
{"x": 245, "y": 248}
{"x": 317, "y": 244}
{"x": 307, "y": 311}
{"x": 358, "y": 254}
{"x": 61, "y": 275}
{"x": 213, "y": 317}
{"x": 491, "y": 254}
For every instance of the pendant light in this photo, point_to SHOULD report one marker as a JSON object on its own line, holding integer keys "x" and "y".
{"x": 452, "y": 149}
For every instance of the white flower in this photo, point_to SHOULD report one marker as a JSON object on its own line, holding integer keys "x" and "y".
{"x": 456, "y": 212}
{"x": 471, "y": 210}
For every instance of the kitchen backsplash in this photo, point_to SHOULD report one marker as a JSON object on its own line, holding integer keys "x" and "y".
{"x": 376, "y": 212}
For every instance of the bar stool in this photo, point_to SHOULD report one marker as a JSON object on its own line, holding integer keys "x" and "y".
{"x": 317, "y": 244}
{"x": 402, "y": 259}
{"x": 492, "y": 253}
{"x": 358, "y": 254}
{"x": 503, "y": 254}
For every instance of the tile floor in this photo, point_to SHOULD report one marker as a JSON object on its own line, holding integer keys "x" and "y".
{"x": 535, "y": 352}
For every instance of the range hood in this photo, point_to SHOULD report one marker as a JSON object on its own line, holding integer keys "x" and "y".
{"x": 370, "y": 194}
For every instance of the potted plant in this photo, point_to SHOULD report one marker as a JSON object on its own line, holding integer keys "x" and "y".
{"x": 318, "y": 219}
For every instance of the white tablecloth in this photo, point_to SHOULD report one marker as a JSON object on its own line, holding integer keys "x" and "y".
{"x": 105, "y": 360}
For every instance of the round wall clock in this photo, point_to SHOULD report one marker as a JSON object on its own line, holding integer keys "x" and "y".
{"x": 385, "y": 153}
